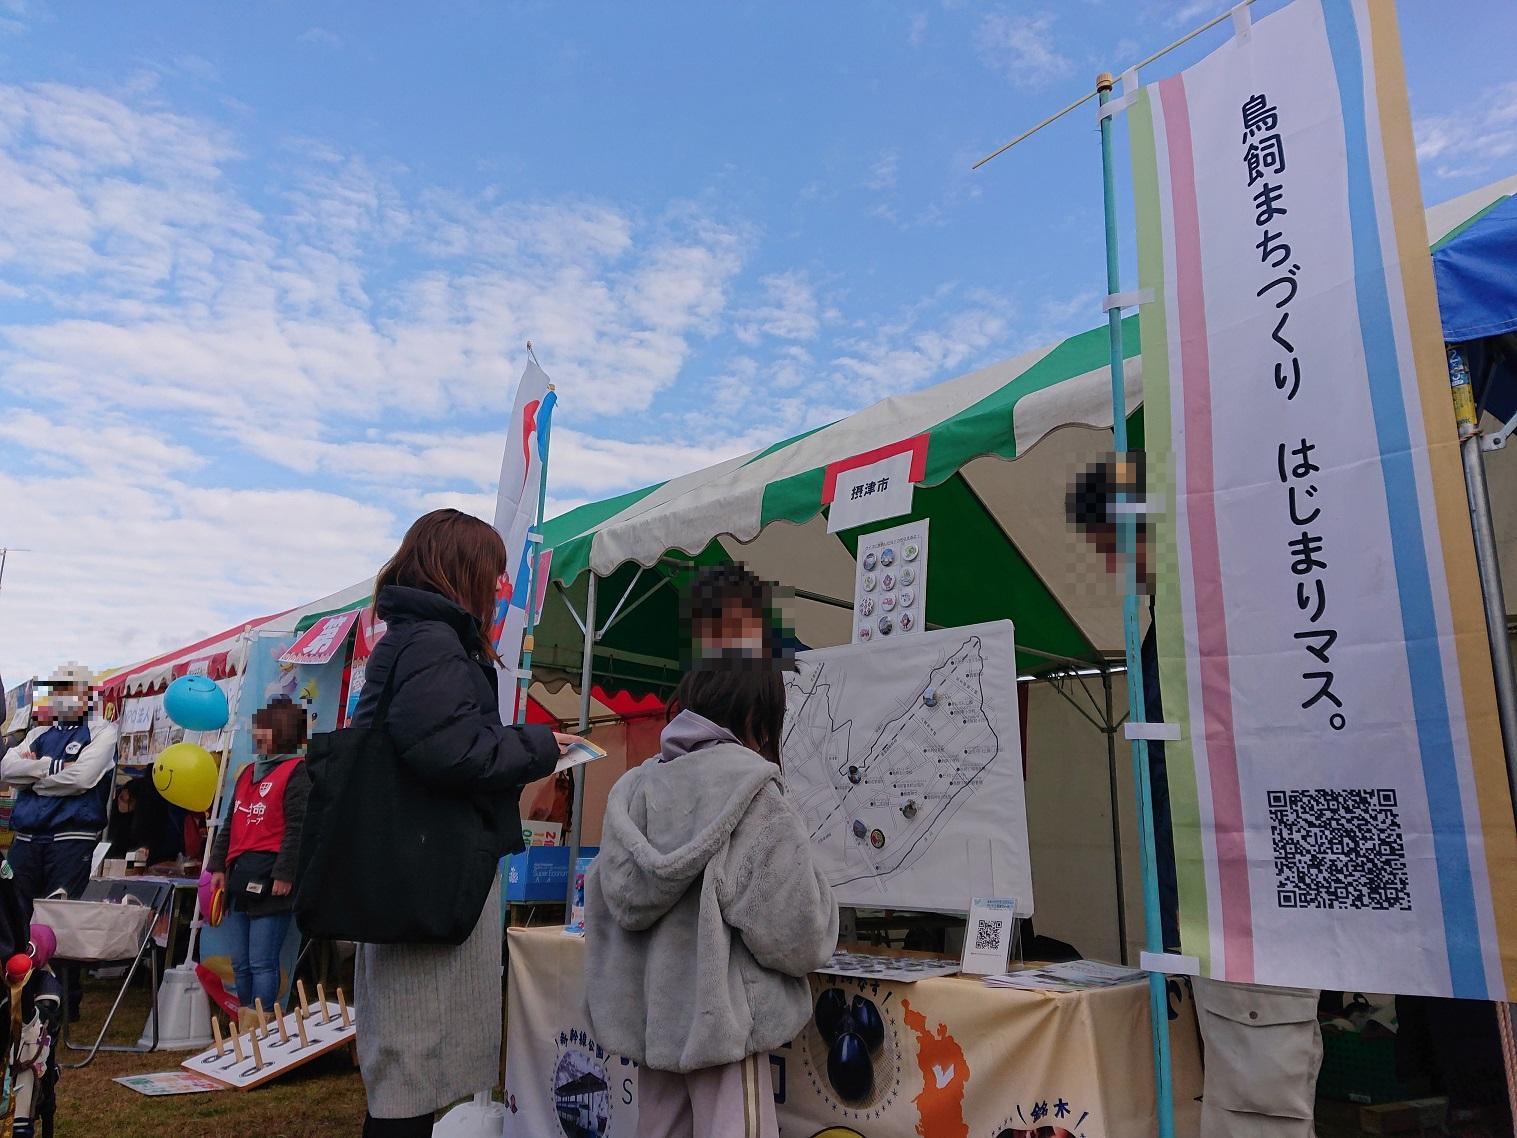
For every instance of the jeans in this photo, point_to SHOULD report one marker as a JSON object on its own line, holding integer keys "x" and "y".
{"x": 256, "y": 942}
{"x": 42, "y": 867}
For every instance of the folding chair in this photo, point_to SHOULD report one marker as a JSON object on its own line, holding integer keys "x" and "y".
{"x": 112, "y": 924}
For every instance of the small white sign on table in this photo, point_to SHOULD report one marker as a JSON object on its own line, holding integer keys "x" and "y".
{"x": 988, "y": 936}
{"x": 890, "y": 583}
{"x": 137, "y": 714}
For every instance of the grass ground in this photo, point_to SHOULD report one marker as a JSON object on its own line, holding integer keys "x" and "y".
{"x": 324, "y": 1099}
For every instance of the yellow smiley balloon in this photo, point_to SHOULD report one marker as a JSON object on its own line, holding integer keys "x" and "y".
{"x": 185, "y": 774}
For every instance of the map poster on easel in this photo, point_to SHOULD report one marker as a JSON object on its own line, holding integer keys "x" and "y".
{"x": 904, "y": 758}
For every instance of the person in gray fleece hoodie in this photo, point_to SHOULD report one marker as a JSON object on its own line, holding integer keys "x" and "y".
{"x": 704, "y": 912}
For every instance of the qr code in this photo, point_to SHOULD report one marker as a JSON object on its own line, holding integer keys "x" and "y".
{"x": 988, "y": 936}
{"x": 1338, "y": 848}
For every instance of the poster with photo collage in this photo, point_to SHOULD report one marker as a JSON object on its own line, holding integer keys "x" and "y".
{"x": 890, "y": 586}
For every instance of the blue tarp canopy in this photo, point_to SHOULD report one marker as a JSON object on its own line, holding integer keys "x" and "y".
{"x": 1475, "y": 265}
{"x": 1476, "y": 270}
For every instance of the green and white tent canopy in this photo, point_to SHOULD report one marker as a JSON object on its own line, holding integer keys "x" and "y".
{"x": 1004, "y": 444}
{"x": 999, "y": 542}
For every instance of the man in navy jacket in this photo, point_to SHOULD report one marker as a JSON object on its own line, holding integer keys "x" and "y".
{"x": 63, "y": 775}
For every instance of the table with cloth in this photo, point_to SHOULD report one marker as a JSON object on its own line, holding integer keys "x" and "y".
{"x": 957, "y": 1060}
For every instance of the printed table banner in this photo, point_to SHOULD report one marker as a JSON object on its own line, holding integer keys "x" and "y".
{"x": 954, "y": 1060}
{"x": 1341, "y": 812}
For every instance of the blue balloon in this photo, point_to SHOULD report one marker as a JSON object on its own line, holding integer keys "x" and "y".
{"x": 196, "y": 703}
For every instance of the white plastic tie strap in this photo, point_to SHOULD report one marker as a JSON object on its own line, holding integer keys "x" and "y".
{"x": 534, "y": 535}
{"x": 1140, "y": 509}
{"x": 1128, "y": 299}
{"x": 523, "y": 673}
{"x": 1152, "y": 732}
{"x": 1169, "y": 964}
{"x": 1243, "y": 24}
{"x": 1126, "y": 99}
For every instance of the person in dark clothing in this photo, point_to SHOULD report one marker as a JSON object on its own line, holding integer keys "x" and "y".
{"x": 141, "y": 823}
{"x": 1263, "y": 1048}
{"x": 1090, "y": 510}
{"x": 437, "y": 596}
{"x": 257, "y": 849}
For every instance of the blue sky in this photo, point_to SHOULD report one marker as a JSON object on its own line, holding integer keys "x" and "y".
{"x": 267, "y": 270}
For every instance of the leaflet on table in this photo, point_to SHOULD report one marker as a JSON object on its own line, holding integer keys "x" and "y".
{"x": 1071, "y": 976}
{"x": 901, "y": 969}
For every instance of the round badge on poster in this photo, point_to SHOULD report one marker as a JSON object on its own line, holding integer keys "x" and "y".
{"x": 866, "y": 606}
{"x": 887, "y": 557}
{"x": 908, "y": 576}
{"x": 912, "y": 551}
{"x": 887, "y": 582}
{"x": 887, "y": 602}
{"x": 869, "y": 582}
{"x": 908, "y": 598}
{"x": 907, "y": 622}
{"x": 887, "y": 626}
{"x": 866, "y": 633}
{"x": 869, "y": 562}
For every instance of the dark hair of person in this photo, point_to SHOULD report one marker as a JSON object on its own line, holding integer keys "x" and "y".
{"x": 747, "y": 697}
{"x": 456, "y": 556}
{"x": 286, "y": 721}
{"x": 1091, "y": 501}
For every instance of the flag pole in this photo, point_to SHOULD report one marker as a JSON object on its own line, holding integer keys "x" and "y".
{"x": 1158, "y": 983}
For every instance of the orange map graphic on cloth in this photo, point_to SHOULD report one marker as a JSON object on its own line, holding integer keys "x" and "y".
{"x": 945, "y": 1072}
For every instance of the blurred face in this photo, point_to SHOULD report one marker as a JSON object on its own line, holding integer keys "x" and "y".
{"x": 738, "y": 631}
{"x": 1107, "y": 541}
{"x": 263, "y": 740}
{"x": 69, "y": 702}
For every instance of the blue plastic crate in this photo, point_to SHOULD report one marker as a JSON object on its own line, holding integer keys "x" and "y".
{"x": 541, "y": 873}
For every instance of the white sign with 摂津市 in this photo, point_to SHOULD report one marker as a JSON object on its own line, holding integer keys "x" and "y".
{"x": 873, "y": 486}
{"x": 988, "y": 936}
{"x": 890, "y": 583}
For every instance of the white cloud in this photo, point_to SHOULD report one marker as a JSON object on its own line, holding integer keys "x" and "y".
{"x": 792, "y": 311}
{"x": 1472, "y": 139}
{"x": 320, "y": 37}
{"x": 1193, "y": 12}
{"x": 1021, "y": 48}
{"x": 885, "y": 171}
{"x": 917, "y": 35}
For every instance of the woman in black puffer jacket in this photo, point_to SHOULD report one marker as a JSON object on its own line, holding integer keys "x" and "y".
{"x": 431, "y": 1012}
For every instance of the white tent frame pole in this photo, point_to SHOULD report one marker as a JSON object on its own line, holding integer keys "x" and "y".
{"x": 245, "y": 645}
{"x": 1116, "y": 815}
{"x": 585, "y": 669}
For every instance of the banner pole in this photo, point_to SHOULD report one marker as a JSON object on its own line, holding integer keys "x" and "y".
{"x": 1158, "y": 984}
{"x": 585, "y": 679}
{"x": 534, "y": 539}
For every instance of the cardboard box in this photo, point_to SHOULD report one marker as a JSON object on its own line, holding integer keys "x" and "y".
{"x": 1411, "y": 1117}
{"x": 541, "y": 874}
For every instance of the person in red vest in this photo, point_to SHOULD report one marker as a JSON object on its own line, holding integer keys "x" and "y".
{"x": 255, "y": 853}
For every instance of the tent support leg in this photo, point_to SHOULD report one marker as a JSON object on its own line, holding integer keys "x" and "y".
{"x": 585, "y": 669}
{"x": 1116, "y": 816}
{"x": 1488, "y": 563}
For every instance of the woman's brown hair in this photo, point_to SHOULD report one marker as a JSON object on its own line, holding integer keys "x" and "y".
{"x": 456, "y": 556}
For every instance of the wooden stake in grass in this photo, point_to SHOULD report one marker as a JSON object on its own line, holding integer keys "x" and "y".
{"x": 216, "y": 1033}
{"x": 321, "y": 998}
{"x": 342, "y": 1006}
{"x": 284, "y": 1032}
{"x": 300, "y": 1026}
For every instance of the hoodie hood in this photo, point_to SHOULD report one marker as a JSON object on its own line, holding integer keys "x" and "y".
{"x": 688, "y": 732}
{"x": 666, "y": 820}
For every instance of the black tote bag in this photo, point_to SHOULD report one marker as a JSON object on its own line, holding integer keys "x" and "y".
{"x": 379, "y": 859}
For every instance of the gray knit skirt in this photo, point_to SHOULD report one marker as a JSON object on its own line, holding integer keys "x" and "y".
{"x": 429, "y": 1019}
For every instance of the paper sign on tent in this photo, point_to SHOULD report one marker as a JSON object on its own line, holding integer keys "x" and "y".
{"x": 875, "y": 485}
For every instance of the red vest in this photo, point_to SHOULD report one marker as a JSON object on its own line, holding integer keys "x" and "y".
{"x": 258, "y": 811}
